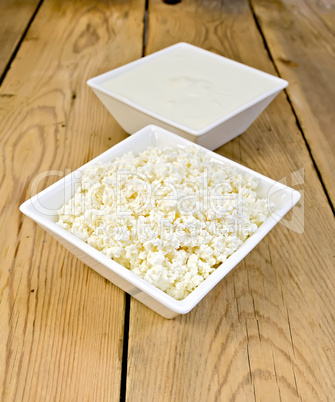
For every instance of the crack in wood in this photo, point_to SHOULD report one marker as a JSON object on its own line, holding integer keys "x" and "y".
{"x": 289, "y": 327}
{"x": 275, "y": 370}
{"x": 249, "y": 365}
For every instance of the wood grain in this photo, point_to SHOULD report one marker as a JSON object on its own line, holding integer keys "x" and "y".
{"x": 300, "y": 35}
{"x": 14, "y": 18}
{"x": 266, "y": 331}
{"x": 62, "y": 324}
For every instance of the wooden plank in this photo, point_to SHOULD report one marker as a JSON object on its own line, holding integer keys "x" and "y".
{"x": 266, "y": 331}
{"x": 14, "y": 18}
{"x": 62, "y": 324}
{"x": 300, "y": 36}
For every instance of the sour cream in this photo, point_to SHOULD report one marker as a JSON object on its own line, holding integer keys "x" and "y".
{"x": 190, "y": 87}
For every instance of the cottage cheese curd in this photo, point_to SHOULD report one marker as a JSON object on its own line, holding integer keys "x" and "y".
{"x": 171, "y": 215}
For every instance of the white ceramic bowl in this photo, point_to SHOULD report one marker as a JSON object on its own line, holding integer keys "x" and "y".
{"x": 43, "y": 206}
{"x": 245, "y": 91}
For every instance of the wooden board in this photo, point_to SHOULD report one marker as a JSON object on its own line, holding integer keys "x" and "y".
{"x": 266, "y": 331}
{"x": 300, "y": 35}
{"x": 62, "y": 324}
{"x": 14, "y": 18}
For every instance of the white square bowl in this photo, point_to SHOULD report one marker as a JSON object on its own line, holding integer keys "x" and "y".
{"x": 133, "y": 112}
{"x": 42, "y": 208}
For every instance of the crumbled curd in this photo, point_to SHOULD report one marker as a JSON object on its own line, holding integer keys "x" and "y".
{"x": 170, "y": 215}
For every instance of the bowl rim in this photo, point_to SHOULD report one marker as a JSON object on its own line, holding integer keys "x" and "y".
{"x": 178, "y": 306}
{"x": 95, "y": 82}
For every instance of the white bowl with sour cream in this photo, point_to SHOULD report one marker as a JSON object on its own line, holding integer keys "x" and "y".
{"x": 201, "y": 96}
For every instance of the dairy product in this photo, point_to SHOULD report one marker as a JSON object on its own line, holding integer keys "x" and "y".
{"x": 170, "y": 215}
{"x": 190, "y": 87}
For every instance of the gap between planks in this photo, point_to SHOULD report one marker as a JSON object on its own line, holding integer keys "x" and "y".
{"x": 123, "y": 383}
{"x": 145, "y": 27}
{"x": 24, "y": 34}
{"x": 268, "y": 51}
